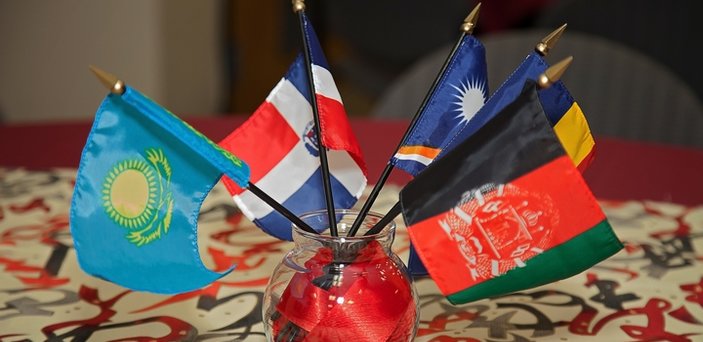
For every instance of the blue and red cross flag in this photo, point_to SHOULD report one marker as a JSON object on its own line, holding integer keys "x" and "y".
{"x": 278, "y": 142}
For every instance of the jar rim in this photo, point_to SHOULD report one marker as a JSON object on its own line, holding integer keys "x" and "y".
{"x": 387, "y": 230}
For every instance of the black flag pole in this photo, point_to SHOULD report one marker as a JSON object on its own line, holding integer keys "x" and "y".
{"x": 385, "y": 220}
{"x": 280, "y": 208}
{"x": 545, "y": 80}
{"x": 466, "y": 28}
{"x": 299, "y": 8}
{"x": 117, "y": 87}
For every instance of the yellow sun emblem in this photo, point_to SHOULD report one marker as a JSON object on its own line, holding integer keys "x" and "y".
{"x": 137, "y": 196}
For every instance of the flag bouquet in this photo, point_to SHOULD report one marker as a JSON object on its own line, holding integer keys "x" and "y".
{"x": 497, "y": 203}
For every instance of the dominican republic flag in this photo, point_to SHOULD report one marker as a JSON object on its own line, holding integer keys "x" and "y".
{"x": 506, "y": 210}
{"x": 564, "y": 114}
{"x": 278, "y": 142}
{"x": 460, "y": 93}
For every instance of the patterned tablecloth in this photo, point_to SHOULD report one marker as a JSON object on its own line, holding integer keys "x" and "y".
{"x": 651, "y": 291}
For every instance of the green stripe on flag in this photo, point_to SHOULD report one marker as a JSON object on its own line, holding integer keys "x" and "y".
{"x": 563, "y": 261}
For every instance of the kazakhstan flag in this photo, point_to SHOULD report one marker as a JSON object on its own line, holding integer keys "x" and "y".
{"x": 143, "y": 176}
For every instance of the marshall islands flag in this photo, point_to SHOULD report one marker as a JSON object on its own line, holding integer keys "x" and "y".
{"x": 142, "y": 178}
{"x": 278, "y": 143}
{"x": 505, "y": 210}
{"x": 460, "y": 93}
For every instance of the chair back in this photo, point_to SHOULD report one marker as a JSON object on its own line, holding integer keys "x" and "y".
{"x": 622, "y": 92}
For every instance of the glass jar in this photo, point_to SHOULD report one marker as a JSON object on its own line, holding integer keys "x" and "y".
{"x": 341, "y": 288}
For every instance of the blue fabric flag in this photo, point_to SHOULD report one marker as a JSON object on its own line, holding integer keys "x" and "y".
{"x": 460, "y": 93}
{"x": 142, "y": 178}
{"x": 530, "y": 68}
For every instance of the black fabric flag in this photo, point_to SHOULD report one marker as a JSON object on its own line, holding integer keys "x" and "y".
{"x": 505, "y": 210}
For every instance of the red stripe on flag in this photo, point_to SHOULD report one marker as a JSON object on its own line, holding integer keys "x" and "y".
{"x": 247, "y": 142}
{"x": 336, "y": 131}
{"x": 509, "y": 225}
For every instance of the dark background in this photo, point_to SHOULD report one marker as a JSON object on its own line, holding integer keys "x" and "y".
{"x": 369, "y": 43}
{"x": 635, "y": 74}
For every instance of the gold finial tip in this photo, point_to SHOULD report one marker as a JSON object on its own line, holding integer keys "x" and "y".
{"x": 554, "y": 73}
{"x": 548, "y": 42}
{"x": 469, "y": 23}
{"x": 298, "y": 5}
{"x": 109, "y": 80}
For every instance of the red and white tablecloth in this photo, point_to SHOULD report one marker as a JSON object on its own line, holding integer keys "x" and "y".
{"x": 651, "y": 291}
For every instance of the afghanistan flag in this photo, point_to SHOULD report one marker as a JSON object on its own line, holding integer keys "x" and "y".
{"x": 505, "y": 210}
{"x": 564, "y": 114}
{"x": 142, "y": 178}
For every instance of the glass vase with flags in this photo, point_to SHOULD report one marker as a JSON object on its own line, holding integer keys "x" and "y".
{"x": 506, "y": 209}
{"x": 280, "y": 146}
{"x": 142, "y": 178}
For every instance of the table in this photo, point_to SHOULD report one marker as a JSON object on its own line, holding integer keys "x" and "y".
{"x": 652, "y": 290}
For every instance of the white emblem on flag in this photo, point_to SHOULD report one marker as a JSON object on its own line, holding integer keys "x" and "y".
{"x": 499, "y": 227}
{"x": 470, "y": 98}
{"x": 310, "y": 139}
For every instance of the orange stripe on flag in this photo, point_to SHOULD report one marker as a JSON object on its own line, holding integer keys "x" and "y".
{"x": 575, "y": 135}
{"x": 427, "y": 152}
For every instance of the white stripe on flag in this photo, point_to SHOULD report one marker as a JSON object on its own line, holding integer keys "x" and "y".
{"x": 292, "y": 105}
{"x": 281, "y": 182}
{"x": 275, "y": 89}
{"x": 324, "y": 83}
{"x": 414, "y": 157}
{"x": 243, "y": 206}
{"x": 347, "y": 172}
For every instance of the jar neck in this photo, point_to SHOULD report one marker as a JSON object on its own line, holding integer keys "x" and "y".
{"x": 347, "y": 249}
{"x": 343, "y": 247}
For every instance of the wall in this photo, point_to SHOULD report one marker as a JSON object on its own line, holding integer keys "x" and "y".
{"x": 167, "y": 49}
